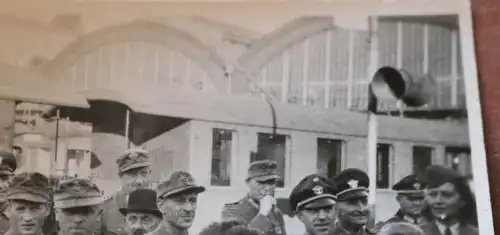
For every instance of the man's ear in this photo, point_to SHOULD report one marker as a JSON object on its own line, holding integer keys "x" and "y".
{"x": 298, "y": 214}
{"x": 159, "y": 204}
{"x": 47, "y": 206}
{"x": 6, "y": 210}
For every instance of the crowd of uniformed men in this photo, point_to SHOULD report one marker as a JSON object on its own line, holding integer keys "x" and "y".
{"x": 440, "y": 204}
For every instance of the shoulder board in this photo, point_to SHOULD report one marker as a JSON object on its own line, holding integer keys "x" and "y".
{"x": 234, "y": 203}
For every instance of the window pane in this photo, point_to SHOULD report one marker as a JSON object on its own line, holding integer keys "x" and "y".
{"x": 329, "y": 157}
{"x": 383, "y": 168}
{"x": 422, "y": 158}
{"x": 459, "y": 159}
{"x": 222, "y": 147}
{"x": 73, "y": 159}
{"x": 272, "y": 147}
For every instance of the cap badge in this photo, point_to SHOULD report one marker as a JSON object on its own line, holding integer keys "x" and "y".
{"x": 318, "y": 190}
{"x": 353, "y": 183}
{"x": 417, "y": 186}
{"x": 133, "y": 155}
{"x": 315, "y": 179}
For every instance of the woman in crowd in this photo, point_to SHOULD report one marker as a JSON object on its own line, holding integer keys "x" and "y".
{"x": 452, "y": 208}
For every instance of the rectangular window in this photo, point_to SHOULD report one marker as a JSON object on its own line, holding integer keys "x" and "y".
{"x": 272, "y": 147}
{"x": 222, "y": 149}
{"x": 383, "y": 165}
{"x": 329, "y": 157}
{"x": 422, "y": 158}
{"x": 73, "y": 159}
{"x": 459, "y": 159}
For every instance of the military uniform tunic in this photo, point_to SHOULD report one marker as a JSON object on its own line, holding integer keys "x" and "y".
{"x": 400, "y": 217}
{"x": 248, "y": 211}
{"x": 161, "y": 230}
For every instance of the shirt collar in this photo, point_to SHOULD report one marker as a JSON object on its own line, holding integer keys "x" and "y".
{"x": 454, "y": 228}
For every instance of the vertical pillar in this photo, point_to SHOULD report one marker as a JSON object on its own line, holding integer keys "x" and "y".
{"x": 127, "y": 127}
{"x": 372, "y": 116}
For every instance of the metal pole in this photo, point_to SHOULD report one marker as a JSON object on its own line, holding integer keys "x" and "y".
{"x": 372, "y": 155}
{"x": 372, "y": 114}
{"x": 9, "y": 141}
{"x": 127, "y": 127}
{"x": 57, "y": 136}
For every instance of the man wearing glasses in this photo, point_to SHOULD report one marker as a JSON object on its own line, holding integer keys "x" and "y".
{"x": 258, "y": 208}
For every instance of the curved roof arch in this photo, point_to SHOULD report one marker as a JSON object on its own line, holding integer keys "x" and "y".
{"x": 277, "y": 41}
{"x": 142, "y": 31}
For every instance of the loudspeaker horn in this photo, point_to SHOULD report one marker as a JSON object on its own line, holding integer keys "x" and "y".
{"x": 389, "y": 83}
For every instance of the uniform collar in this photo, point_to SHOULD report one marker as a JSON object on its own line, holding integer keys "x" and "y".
{"x": 252, "y": 202}
{"x": 161, "y": 229}
{"x": 343, "y": 231}
{"x": 410, "y": 219}
{"x": 455, "y": 228}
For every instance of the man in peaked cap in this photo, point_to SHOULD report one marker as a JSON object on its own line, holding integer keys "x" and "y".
{"x": 177, "y": 199}
{"x": 411, "y": 199}
{"x": 313, "y": 200}
{"x": 134, "y": 172}
{"x": 8, "y": 165}
{"x": 352, "y": 202}
{"x": 451, "y": 203}
{"x": 28, "y": 206}
{"x": 78, "y": 203}
{"x": 258, "y": 208}
{"x": 141, "y": 214}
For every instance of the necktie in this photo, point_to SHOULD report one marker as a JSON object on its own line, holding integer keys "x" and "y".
{"x": 447, "y": 231}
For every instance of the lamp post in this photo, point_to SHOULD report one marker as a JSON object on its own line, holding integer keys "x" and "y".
{"x": 390, "y": 84}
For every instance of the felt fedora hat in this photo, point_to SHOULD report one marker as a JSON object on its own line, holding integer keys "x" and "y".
{"x": 143, "y": 201}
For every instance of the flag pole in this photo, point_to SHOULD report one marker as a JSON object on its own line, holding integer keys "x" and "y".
{"x": 372, "y": 113}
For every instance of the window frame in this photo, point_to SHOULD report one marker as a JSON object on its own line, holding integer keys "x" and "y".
{"x": 288, "y": 155}
{"x": 343, "y": 150}
{"x": 448, "y": 162}
{"x": 392, "y": 150}
{"x": 433, "y": 153}
{"x": 232, "y": 158}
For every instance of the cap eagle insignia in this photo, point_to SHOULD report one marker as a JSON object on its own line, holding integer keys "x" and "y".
{"x": 133, "y": 155}
{"x": 318, "y": 190}
{"x": 353, "y": 183}
{"x": 417, "y": 186}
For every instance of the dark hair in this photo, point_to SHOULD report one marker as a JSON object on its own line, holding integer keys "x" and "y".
{"x": 468, "y": 213}
{"x": 234, "y": 227}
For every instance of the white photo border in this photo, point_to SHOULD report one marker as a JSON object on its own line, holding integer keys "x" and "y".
{"x": 475, "y": 120}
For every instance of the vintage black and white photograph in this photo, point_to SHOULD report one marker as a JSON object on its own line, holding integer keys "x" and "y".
{"x": 240, "y": 118}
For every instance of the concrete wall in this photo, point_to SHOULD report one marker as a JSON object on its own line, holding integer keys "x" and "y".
{"x": 170, "y": 151}
{"x": 301, "y": 160}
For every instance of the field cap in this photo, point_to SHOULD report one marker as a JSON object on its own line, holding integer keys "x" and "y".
{"x": 179, "y": 182}
{"x": 132, "y": 159}
{"x": 29, "y": 186}
{"x": 263, "y": 170}
{"x": 77, "y": 192}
